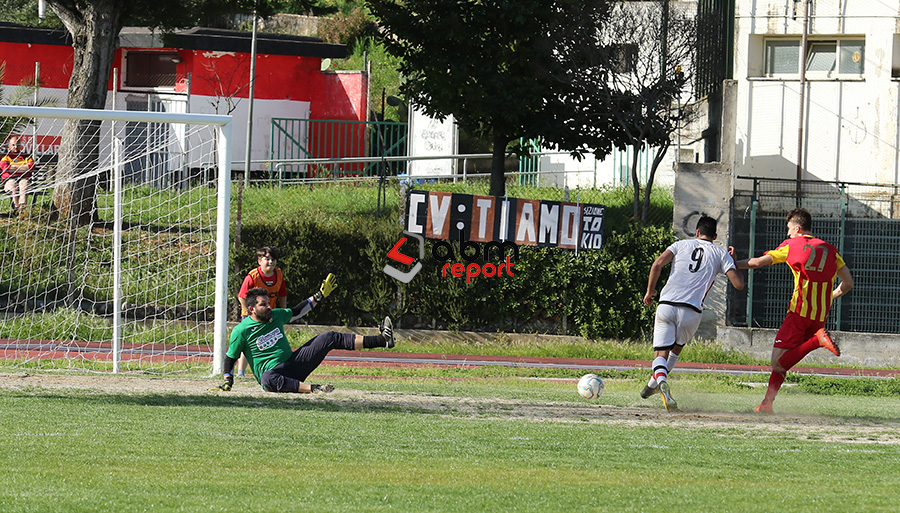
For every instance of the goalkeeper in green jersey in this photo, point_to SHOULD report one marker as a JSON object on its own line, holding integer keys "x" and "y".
{"x": 261, "y": 338}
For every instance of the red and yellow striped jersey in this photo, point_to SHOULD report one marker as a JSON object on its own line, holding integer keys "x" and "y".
{"x": 15, "y": 159}
{"x": 256, "y": 279}
{"x": 815, "y": 264}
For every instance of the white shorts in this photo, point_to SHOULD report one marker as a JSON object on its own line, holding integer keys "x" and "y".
{"x": 674, "y": 325}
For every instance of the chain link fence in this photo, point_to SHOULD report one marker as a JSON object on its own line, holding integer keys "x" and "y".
{"x": 861, "y": 220}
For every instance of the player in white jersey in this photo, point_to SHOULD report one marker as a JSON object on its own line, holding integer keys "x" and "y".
{"x": 695, "y": 265}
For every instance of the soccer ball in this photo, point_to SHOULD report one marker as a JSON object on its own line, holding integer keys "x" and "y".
{"x": 590, "y": 386}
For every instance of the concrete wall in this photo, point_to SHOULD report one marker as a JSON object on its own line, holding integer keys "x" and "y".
{"x": 705, "y": 189}
{"x": 864, "y": 349}
{"x": 566, "y": 171}
{"x": 295, "y": 24}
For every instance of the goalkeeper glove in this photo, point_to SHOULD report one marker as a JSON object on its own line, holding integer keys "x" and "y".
{"x": 326, "y": 288}
{"x": 225, "y": 387}
{"x": 321, "y": 388}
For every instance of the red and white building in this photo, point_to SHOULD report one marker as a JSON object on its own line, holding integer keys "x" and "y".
{"x": 200, "y": 70}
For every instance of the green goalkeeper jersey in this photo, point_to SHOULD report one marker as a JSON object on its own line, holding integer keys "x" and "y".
{"x": 263, "y": 343}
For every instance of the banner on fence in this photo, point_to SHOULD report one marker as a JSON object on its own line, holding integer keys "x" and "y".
{"x": 467, "y": 217}
{"x": 431, "y": 137}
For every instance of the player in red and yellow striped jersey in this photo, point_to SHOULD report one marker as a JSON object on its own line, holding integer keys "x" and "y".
{"x": 815, "y": 265}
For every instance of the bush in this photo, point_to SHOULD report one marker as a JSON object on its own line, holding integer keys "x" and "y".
{"x": 821, "y": 385}
{"x": 347, "y": 28}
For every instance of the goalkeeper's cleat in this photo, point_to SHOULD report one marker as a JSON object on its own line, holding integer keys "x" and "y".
{"x": 387, "y": 331}
{"x": 648, "y": 391}
{"x": 765, "y": 409}
{"x": 827, "y": 342}
{"x": 668, "y": 402}
{"x": 321, "y": 388}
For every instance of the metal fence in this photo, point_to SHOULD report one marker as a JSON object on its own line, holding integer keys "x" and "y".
{"x": 523, "y": 180}
{"x": 294, "y": 139}
{"x": 861, "y": 220}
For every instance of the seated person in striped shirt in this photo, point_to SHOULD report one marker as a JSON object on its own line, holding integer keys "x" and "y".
{"x": 15, "y": 170}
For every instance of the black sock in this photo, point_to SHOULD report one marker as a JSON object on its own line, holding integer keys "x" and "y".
{"x": 370, "y": 341}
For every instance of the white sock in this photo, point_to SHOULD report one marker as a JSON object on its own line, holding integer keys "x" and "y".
{"x": 652, "y": 383}
{"x": 660, "y": 373}
{"x": 670, "y": 363}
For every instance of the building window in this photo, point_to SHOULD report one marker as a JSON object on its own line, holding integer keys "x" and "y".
{"x": 821, "y": 58}
{"x": 895, "y": 57}
{"x": 782, "y": 57}
{"x": 824, "y": 58}
{"x": 150, "y": 69}
{"x": 620, "y": 57}
{"x": 624, "y": 58}
{"x": 853, "y": 57}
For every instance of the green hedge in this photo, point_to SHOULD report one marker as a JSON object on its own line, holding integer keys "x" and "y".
{"x": 597, "y": 294}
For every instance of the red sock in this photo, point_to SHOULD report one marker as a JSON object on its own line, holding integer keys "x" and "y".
{"x": 792, "y": 357}
{"x": 775, "y": 382}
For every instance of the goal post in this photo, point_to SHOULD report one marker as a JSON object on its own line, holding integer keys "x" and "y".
{"x": 142, "y": 286}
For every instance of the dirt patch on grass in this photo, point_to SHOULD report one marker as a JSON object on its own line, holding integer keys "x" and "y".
{"x": 811, "y": 428}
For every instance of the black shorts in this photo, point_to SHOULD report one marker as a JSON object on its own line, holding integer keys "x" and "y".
{"x": 286, "y": 376}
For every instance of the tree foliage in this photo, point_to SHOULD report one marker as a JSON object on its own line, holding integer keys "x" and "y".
{"x": 94, "y": 26}
{"x": 505, "y": 69}
{"x": 584, "y": 77}
{"x": 25, "y": 12}
{"x": 651, "y": 49}
{"x": 347, "y": 28}
{"x": 164, "y": 14}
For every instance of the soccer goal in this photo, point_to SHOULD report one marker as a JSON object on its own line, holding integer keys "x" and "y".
{"x": 117, "y": 260}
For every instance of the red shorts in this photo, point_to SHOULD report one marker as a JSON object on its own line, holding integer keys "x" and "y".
{"x": 796, "y": 330}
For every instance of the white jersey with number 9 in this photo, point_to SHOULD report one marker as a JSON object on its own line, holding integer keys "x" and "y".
{"x": 694, "y": 270}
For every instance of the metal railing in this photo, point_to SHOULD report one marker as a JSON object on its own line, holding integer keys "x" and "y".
{"x": 283, "y": 171}
{"x": 586, "y": 184}
{"x": 312, "y": 140}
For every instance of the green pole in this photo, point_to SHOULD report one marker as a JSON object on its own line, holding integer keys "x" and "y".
{"x": 841, "y": 238}
{"x": 753, "y": 204}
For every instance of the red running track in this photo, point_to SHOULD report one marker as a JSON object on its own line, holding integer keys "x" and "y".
{"x": 18, "y": 349}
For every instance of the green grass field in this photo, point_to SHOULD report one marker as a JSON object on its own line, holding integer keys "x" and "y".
{"x": 415, "y": 439}
{"x": 458, "y": 440}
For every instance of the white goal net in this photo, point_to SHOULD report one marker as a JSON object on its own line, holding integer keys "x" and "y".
{"x": 117, "y": 258}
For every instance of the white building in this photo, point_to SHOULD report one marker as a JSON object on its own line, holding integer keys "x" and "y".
{"x": 847, "y": 85}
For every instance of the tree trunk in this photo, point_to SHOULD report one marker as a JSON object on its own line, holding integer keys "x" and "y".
{"x": 94, "y": 26}
{"x": 635, "y": 180}
{"x": 498, "y": 166}
{"x": 657, "y": 159}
